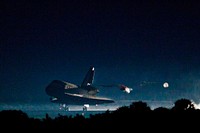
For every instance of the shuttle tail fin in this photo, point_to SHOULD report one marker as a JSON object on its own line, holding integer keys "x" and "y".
{"x": 88, "y": 80}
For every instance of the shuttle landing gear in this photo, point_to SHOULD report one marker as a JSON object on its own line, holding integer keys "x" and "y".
{"x": 63, "y": 106}
{"x": 67, "y": 108}
{"x": 85, "y": 107}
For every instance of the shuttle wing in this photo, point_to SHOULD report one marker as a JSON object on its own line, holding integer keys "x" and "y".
{"x": 76, "y": 95}
{"x": 89, "y": 97}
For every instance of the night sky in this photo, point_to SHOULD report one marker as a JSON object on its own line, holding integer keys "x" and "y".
{"x": 139, "y": 43}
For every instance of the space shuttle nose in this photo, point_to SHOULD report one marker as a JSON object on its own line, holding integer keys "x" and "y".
{"x": 56, "y": 87}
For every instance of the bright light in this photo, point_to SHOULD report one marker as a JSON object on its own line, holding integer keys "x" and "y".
{"x": 197, "y": 106}
{"x": 165, "y": 85}
{"x": 128, "y": 90}
{"x": 86, "y": 105}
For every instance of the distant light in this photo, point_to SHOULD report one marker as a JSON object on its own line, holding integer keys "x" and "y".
{"x": 128, "y": 90}
{"x": 165, "y": 85}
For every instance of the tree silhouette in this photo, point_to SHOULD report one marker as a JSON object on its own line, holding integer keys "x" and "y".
{"x": 182, "y": 105}
{"x": 137, "y": 114}
{"x": 140, "y": 106}
{"x": 161, "y": 110}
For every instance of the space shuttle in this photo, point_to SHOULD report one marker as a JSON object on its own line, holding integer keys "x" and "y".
{"x": 66, "y": 93}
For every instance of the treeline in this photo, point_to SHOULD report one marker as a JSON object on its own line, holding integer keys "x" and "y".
{"x": 138, "y": 115}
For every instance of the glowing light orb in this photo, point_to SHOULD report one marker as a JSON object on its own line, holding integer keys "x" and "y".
{"x": 165, "y": 85}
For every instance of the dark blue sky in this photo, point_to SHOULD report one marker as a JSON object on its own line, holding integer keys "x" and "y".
{"x": 126, "y": 41}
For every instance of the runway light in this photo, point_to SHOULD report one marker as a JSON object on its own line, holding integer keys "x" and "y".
{"x": 165, "y": 85}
